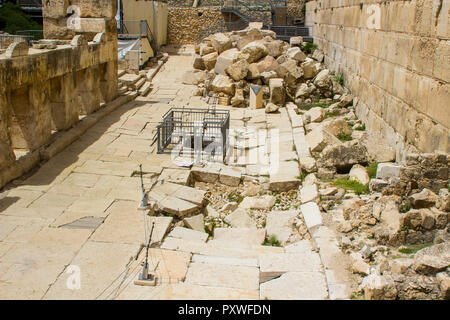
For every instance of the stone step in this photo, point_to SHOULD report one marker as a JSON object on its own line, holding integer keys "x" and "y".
{"x": 129, "y": 79}
{"x": 247, "y": 236}
{"x": 120, "y": 73}
{"x": 286, "y": 178}
{"x": 179, "y": 191}
{"x": 274, "y": 265}
{"x": 144, "y": 90}
{"x": 222, "y": 249}
{"x": 311, "y": 215}
{"x": 122, "y": 90}
{"x": 188, "y": 234}
{"x": 138, "y": 84}
{"x": 248, "y": 262}
{"x": 229, "y": 276}
{"x": 295, "y": 286}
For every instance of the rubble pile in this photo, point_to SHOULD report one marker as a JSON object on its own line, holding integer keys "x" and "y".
{"x": 228, "y": 64}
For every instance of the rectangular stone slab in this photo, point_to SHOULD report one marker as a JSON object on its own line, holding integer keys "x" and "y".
{"x": 238, "y": 277}
{"x": 250, "y": 236}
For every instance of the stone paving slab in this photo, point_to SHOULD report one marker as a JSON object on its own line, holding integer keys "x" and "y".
{"x": 100, "y": 264}
{"x": 239, "y": 277}
{"x": 248, "y": 262}
{"x": 246, "y": 236}
{"x": 280, "y": 224}
{"x": 188, "y": 234}
{"x": 311, "y": 214}
{"x": 295, "y": 286}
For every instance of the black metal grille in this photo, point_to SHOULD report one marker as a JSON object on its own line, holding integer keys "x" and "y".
{"x": 191, "y": 128}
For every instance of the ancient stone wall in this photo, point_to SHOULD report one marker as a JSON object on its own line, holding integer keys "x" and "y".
{"x": 48, "y": 87}
{"x": 394, "y": 56}
{"x": 186, "y": 24}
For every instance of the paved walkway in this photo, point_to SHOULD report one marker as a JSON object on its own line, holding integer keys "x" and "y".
{"x": 77, "y": 215}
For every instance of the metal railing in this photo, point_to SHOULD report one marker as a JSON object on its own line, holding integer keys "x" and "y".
{"x": 247, "y": 12}
{"x": 34, "y": 34}
{"x": 6, "y": 40}
{"x": 30, "y": 3}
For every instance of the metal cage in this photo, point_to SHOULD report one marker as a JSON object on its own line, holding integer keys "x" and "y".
{"x": 186, "y": 128}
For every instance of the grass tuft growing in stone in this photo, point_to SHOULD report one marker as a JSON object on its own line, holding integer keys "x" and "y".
{"x": 345, "y": 137}
{"x": 361, "y": 128}
{"x": 309, "y": 47}
{"x": 272, "y": 241}
{"x": 372, "y": 170}
{"x": 235, "y": 197}
{"x": 339, "y": 79}
{"x": 414, "y": 248}
{"x": 357, "y": 187}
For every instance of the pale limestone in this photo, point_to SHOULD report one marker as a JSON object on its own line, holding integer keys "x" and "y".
{"x": 311, "y": 214}
{"x": 188, "y": 234}
{"x": 309, "y": 193}
{"x": 196, "y": 223}
{"x": 246, "y": 236}
{"x": 280, "y": 224}
{"x": 240, "y": 218}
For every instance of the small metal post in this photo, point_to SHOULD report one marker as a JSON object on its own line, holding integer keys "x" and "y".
{"x": 145, "y": 278}
{"x": 144, "y": 203}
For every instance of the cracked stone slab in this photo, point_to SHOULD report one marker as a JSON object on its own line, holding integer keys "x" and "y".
{"x": 178, "y": 176}
{"x": 247, "y": 236}
{"x": 182, "y": 192}
{"x": 239, "y": 277}
{"x": 280, "y": 224}
{"x": 295, "y": 286}
{"x": 311, "y": 214}
{"x": 229, "y": 261}
{"x": 188, "y": 234}
{"x": 240, "y": 218}
{"x": 275, "y": 264}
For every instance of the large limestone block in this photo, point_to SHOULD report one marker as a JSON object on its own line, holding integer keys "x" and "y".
{"x": 277, "y": 92}
{"x": 194, "y": 77}
{"x": 274, "y": 48}
{"x": 188, "y": 234}
{"x": 336, "y": 126}
{"x": 344, "y": 156}
{"x": 319, "y": 138}
{"x": 178, "y": 176}
{"x": 240, "y": 218}
{"x": 253, "y": 51}
{"x": 238, "y": 70}
{"x": 221, "y": 42}
{"x": 265, "y": 202}
{"x": 209, "y": 60}
{"x": 378, "y": 148}
{"x": 245, "y": 236}
{"x": 311, "y": 214}
{"x": 198, "y": 63}
{"x": 280, "y": 224}
{"x": 206, "y": 174}
{"x": 230, "y": 176}
{"x": 228, "y": 276}
{"x": 323, "y": 79}
{"x": 296, "y": 54}
{"x": 295, "y": 286}
{"x": 267, "y": 64}
{"x": 223, "y": 84}
{"x": 286, "y": 177}
{"x": 182, "y": 192}
{"x": 378, "y": 287}
{"x": 205, "y": 49}
{"x": 273, "y": 265}
{"x": 286, "y": 66}
{"x": 309, "y": 68}
{"x": 316, "y": 114}
{"x": 388, "y": 170}
{"x": 196, "y": 223}
{"x": 226, "y": 59}
{"x": 359, "y": 173}
{"x": 309, "y": 193}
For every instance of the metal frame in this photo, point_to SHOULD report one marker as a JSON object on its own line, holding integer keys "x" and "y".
{"x": 179, "y": 124}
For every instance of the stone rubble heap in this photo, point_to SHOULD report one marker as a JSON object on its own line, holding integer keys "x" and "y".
{"x": 227, "y": 64}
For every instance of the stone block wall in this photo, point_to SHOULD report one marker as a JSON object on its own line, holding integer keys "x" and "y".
{"x": 43, "y": 91}
{"x": 186, "y": 24}
{"x": 398, "y": 65}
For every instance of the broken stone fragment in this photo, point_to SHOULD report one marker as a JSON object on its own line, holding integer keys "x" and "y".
{"x": 387, "y": 171}
{"x": 432, "y": 260}
{"x": 205, "y": 49}
{"x": 240, "y": 218}
{"x": 267, "y": 64}
{"x": 319, "y": 138}
{"x": 309, "y": 69}
{"x": 424, "y": 199}
{"x": 280, "y": 224}
{"x": 323, "y": 79}
{"x": 401, "y": 265}
{"x": 220, "y": 42}
{"x": 309, "y": 193}
{"x": 316, "y": 114}
{"x": 265, "y": 202}
{"x": 226, "y": 59}
{"x": 343, "y": 156}
{"x": 238, "y": 70}
{"x": 296, "y": 53}
{"x": 359, "y": 173}
{"x": 277, "y": 93}
{"x": 253, "y": 51}
{"x": 270, "y": 107}
{"x": 296, "y": 41}
{"x": 359, "y": 265}
{"x": 209, "y": 60}
{"x": 318, "y": 55}
{"x": 198, "y": 63}
{"x": 194, "y": 77}
{"x": 444, "y": 283}
{"x": 196, "y": 223}
{"x": 378, "y": 287}
{"x": 223, "y": 84}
